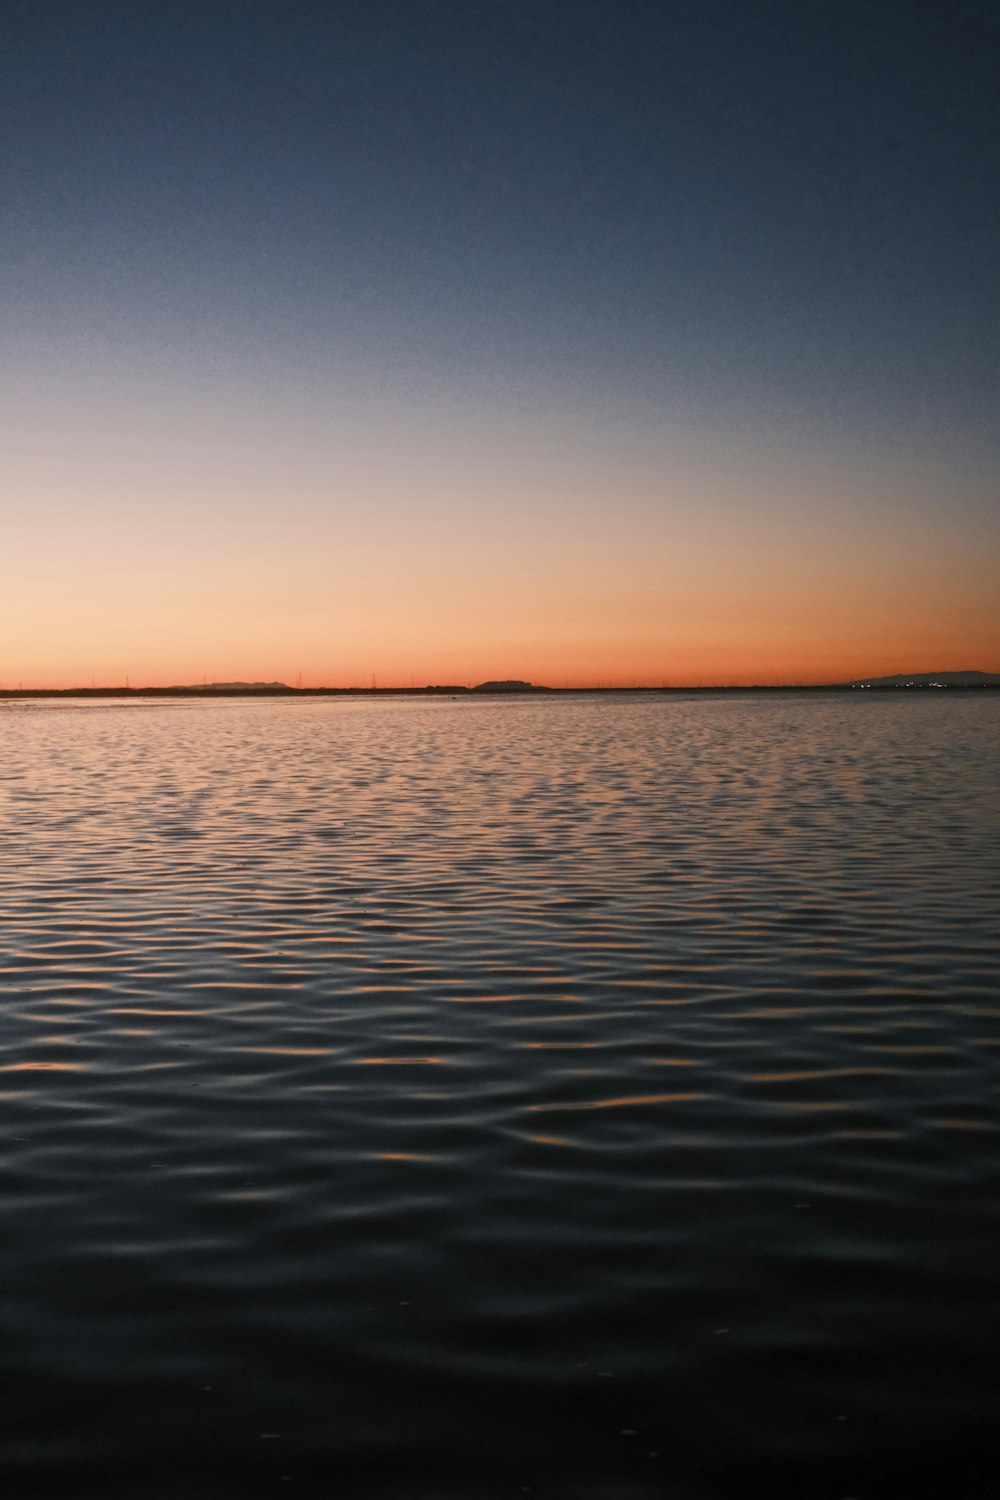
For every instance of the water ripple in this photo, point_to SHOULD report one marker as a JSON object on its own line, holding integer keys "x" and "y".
{"x": 572, "y": 1097}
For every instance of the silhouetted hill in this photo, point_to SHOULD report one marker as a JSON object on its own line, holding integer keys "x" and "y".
{"x": 509, "y": 685}
{"x": 930, "y": 680}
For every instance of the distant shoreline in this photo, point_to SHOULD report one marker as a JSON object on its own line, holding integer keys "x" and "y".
{"x": 458, "y": 691}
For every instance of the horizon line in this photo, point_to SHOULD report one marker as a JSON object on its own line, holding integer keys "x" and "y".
{"x": 496, "y": 688}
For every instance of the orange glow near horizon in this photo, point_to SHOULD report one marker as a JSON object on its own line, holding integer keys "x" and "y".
{"x": 629, "y": 645}
{"x": 631, "y": 636}
{"x": 448, "y": 545}
{"x": 577, "y": 615}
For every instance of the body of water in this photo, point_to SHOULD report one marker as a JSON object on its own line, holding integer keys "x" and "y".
{"x": 572, "y": 1098}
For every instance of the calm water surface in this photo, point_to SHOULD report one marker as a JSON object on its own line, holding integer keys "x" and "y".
{"x": 586, "y": 1099}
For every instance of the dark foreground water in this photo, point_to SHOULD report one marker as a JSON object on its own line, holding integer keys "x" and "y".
{"x": 553, "y": 1098}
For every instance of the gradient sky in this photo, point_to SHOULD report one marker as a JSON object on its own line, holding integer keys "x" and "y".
{"x": 560, "y": 339}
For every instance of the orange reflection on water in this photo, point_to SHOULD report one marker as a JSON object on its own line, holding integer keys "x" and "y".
{"x": 487, "y": 999}
{"x": 43, "y": 1067}
{"x": 620, "y": 1103}
{"x": 389, "y": 1062}
{"x": 811, "y": 1074}
{"x": 402, "y": 1156}
{"x": 152, "y": 1010}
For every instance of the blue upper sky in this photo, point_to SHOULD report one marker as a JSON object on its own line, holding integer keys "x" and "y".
{"x": 788, "y": 204}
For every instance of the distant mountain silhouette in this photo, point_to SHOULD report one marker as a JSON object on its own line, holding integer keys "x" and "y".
{"x": 930, "y": 679}
{"x": 509, "y": 685}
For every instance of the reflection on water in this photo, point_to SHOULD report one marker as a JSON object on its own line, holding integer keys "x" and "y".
{"x": 571, "y": 1098}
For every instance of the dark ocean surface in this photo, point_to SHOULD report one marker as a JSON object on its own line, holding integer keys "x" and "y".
{"x": 572, "y": 1098}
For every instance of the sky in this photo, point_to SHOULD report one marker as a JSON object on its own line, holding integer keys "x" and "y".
{"x": 443, "y": 340}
